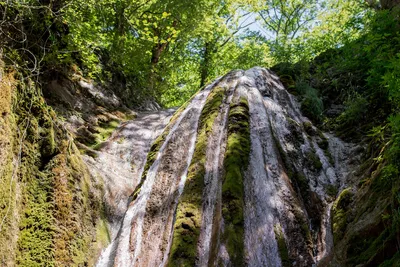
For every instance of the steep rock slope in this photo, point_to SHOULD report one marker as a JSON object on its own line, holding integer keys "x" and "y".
{"x": 50, "y": 205}
{"x": 119, "y": 165}
{"x": 54, "y": 200}
{"x": 239, "y": 177}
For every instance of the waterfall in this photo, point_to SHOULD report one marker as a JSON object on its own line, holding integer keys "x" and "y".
{"x": 278, "y": 212}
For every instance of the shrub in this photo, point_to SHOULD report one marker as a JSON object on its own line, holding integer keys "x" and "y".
{"x": 311, "y": 105}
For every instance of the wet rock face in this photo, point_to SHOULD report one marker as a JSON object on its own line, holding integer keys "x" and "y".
{"x": 239, "y": 178}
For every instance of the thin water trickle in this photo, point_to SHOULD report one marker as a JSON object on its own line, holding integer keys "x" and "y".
{"x": 120, "y": 164}
{"x": 136, "y": 211}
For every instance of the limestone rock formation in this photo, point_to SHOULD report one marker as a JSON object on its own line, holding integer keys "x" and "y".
{"x": 238, "y": 177}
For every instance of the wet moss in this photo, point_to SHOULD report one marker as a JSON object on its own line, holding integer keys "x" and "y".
{"x": 283, "y": 250}
{"x": 287, "y": 164}
{"x": 188, "y": 215}
{"x": 57, "y": 208}
{"x": 305, "y": 230}
{"x": 96, "y": 137}
{"x": 37, "y": 225}
{"x": 323, "y": 141}
{"x": 372, "y": 247}
{"x": 296, "y": 136}
{"x": 328, "y": 154}
{"x": 151, "y": 157}
{"x": 309, "y": 128}
{"x": 376, "y": 241}
{"x": 6, "y": 93}
{"x": 105, "y": 130}
{"x": 331, "y": 190}
{"x": 103, "y": 235}
{"x": 235, "y": 163}
{"x": 313, "y": 160}
{"x": 339, "y": 214}
{"x": 300, "y": 181}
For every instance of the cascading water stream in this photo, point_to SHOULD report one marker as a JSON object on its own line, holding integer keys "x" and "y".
{"x": 120, "y": 163}
{"x": 136, "y": 211}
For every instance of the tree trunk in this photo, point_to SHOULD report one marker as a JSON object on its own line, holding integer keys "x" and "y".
{"x": 156, "y": 53}
{"x": 205, "y": 64}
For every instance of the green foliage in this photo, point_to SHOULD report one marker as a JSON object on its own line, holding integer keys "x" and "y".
{"x": 32, "y": 36}
{"x": 164, "y": 50}
{"x": 356, "y": 111}
{"x": 361, "y": 75}
{"x": 147, "y": 48}
{"x": 303, "y": 29}
{"x": 311, "y": 105}
{"x": 394, "y": 151}
{"x": 360, "y": 80}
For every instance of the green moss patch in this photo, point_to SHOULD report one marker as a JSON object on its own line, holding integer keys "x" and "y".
{"x": 104, "y": 132}
{"x": 322, "y": 141}
{"x": 339, "y": 214}
{"x": 283, "y": 250}
{"x": 304, "y": 228}
{"x": 94, "y": 137}
{"x": 59, "y": 206}
{"x": 188, "y": 215}
{"x": 331, "y": 190}
{"x": 235, "y": 163}
{"x": 313, "y": 160}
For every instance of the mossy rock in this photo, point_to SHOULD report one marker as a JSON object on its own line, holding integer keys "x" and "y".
{"x": 313, "y": 160}
{"x": 331, "y": 190}
{"x": 58, "y": 206}
{"x": 188, "y": 216}
{"x": 282, "y": 247}
{"x": 322, "y": 142}
{"x": 308, "y": 127}
{"x": 339, "y": 212}
{"x": 235, "y": 163}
